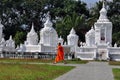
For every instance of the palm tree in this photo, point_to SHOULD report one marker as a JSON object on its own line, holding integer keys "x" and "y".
{"x": 75, "y": 21}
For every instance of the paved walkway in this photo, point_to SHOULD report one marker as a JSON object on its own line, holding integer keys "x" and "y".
{"x": 90, "y": 71}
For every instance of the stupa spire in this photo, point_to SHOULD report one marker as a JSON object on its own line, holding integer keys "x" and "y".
{"x": 103, "y": 6}
{"x": 103, "y": 14}
{"x": 10, "y": 38}
{"x": 32, "y": 29}
{"x": 72, "y": 31}
{"x": 48, "y": 23}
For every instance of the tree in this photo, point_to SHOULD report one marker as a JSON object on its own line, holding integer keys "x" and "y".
{"x": 20, "y": 37}
{"x": 15, "y": 13}
{"x": 114, "y": 16}
{"x": 74, "y": 14}
{"x": 75, "y": 21}
{"x": 94, "y": 13}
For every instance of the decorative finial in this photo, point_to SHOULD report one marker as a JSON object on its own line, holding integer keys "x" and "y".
{"x": 92, "y": 27}
{"x": 10, "y": 38}
{"x": 72, "y": 31}
{"x": 48, "y": 23}
{"x": 32, "y": 25}
{"x": 32, "y": 28}
{"x": 60, "y": 37}
{"x": 115, "y": 45}
{"x": 103, "y": 4}
{"x": 48, "y": 15}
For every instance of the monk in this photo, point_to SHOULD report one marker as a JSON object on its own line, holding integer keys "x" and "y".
{"x": 60, "y": 54}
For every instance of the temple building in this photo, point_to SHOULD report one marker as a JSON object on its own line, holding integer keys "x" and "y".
{"x": 98, "y": 41}
{"x": 97, "y": 45}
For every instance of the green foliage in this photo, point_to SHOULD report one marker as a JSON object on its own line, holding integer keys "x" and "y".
{"x": 116, "y": 37}
{"x": 114, "y": 14}
{"x": 94, "y": 13}
{"x": 75, "y": 21}
{"x": 20, "y": 37}
{"x": 75, "y": 16}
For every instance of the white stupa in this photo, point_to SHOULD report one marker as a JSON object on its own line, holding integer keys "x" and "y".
{"x": 48, "y": 35}
{"x": 103, "y": 28}
{"x": 10, "y": 42}
{"x": 103, "y": 14}
{"x": 90, "y": 37}
{"x": 32, "y": 37}
{"x": 72, "y": 38}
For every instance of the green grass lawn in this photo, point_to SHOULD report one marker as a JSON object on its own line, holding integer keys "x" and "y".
{"x": 31, "y": 72}
{"x": 75, "y": 61}
{"x": 13, "y": 70}
{"x": 114, "y": 63}
{"x": 116, "y": 73}
{"x": 26, "y": 60}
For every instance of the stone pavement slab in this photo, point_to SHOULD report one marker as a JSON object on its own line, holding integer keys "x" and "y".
{"x": 90, "y": 71}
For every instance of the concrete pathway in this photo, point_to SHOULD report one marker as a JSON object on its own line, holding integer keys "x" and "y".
{"x": 89, "y": 71}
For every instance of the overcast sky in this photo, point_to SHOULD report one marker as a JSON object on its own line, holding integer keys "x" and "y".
{"x": 91, "y": 3}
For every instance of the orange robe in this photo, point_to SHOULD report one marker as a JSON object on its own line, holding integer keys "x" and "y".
{"x": 60, "y": 54}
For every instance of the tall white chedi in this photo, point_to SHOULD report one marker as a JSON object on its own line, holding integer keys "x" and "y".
{"x": 1, "y": 31}
{"x": 103, "y": 28}
{"x": 48, "y": 35}
{"x": 72, "y": 38}
{"x": 90, "y": 37}
{"x": 32, "y": 37}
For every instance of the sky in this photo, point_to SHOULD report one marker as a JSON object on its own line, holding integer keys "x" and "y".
{"x": 91, "y": 3}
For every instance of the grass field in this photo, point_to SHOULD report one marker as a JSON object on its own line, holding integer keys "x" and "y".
{"x": 116, "y": 73}
{"x": 26, "y": 60}
{"x": 13, "y": 70}
{"x": 75, "y": 61}
{"x": 31, "y": 72}
{"x": 114, "y": 63}
{"x": 16, "y": 71}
